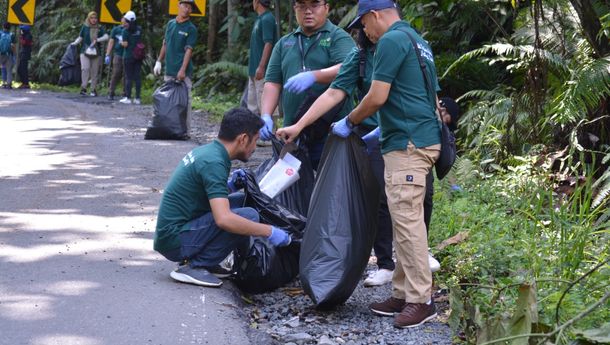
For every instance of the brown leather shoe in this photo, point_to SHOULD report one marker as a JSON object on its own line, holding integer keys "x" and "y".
{"x": 389, "y": 307}
{"x": 415, "y": 314}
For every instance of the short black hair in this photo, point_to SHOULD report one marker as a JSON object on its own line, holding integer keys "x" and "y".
{"x": 6, "y": 26}
{"x": 266, "y": 3}
{"x": 238, "y": 121}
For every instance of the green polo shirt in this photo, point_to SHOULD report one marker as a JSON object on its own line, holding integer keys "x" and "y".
{"x": 325, "y": 48}
{"x": 349, "y": 73}
{"x": 200, "y": 176}
{"x": 117, "y": 35}
{"x": 263, "y": 32}
{"x": 85, "y": 33}
{"x": 132, "y": 39}
{"x": 178, "y": 37}
{"x": 408, "y": 114}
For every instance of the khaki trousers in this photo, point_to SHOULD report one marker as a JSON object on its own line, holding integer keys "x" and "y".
{"x": 90, "y": 68}
{"x": 405, "y": 185}
{"x": 255, "y": 96}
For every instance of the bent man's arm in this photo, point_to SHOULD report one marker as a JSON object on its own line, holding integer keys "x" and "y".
{"x": 231, "y": 222}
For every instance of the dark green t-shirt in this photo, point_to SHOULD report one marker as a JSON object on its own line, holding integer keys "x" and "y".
{"x": 132, "y": 38}
{"x": 178, "y": 37}
{"x": 409, "y": 113}
{"x": 85, "y": 33}
{"x": 262, "y": 32}
{"x": 200, "y": 176}
{"x": 117, "y": 35}
{"x": 349, "y": 74}
{"x": 325, "y": 48}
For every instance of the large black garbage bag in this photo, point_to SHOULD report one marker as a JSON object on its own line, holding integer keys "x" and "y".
{"x": 170, "y": 103}
{"x": 70, "y": 67}
{"x": 261, "y": 267}
{"x": 342, "y": 223}
{"x": 296, "y": 197}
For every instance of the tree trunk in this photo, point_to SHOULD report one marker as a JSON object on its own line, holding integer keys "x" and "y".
{"x": 591, "y": 26}
{"x": 278, "y": 13}
{"x": 212, "y": 31}
{"x": 232, "y": 20}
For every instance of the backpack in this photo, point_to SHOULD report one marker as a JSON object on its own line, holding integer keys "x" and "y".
{"x": 5, "y": 43}
{"x": 139, "y": 51}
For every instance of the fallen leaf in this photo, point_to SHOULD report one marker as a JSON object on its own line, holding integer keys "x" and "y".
{"x": 460, "y": 237}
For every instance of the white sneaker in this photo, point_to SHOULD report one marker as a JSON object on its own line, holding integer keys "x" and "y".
{"x": 379, "y": 277}
{"x": 125, "y": 100}
{"x": 137, "y": 101}
{"x": 434, "y": 264}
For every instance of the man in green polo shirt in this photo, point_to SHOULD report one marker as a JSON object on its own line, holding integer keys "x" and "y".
{"x": 199, "y": 223}
{"x": 115, "y": 46}
{"x": 262, "y": 39}
{"x": 410, "y": 144}
{"x": 308, "y": 57}
{"x": 177, "y": 50}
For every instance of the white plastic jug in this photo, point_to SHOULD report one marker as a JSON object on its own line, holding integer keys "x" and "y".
{"x": 282, "y": 175}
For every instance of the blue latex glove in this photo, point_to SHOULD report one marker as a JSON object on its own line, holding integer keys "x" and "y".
{"x": 107, "y": 60}
{"x": 236, "y": 180}
{"x": 342, "y": 128}
{"x": 300, "y": 82}
{"x": 456, "y": 188}
{"x": 279, "y": 237}
{"x": 267, "y": 131}
{"x": 371, "y": 139}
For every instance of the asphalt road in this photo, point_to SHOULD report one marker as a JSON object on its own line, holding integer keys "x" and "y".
{"x": 79, "y": 192}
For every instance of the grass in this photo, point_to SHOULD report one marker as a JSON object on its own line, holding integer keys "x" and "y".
{"x": 520, "y": 233}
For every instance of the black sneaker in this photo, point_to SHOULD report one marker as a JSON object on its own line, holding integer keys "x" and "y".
{"x": 219, "y": 271}
{"x": 83, "y": 92}
{"x": 111, "y": 97}
{"x": 198, "y": 276}
{"x": 93, "y": 93}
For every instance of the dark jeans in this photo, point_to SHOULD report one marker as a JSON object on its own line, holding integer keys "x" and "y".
{"x": 133, "y": 69}
{"x": 205, "y": 244}
{"x": 117, "y": 74}
{"x": 383, "y": 241}
{"x": 22, "y": 69}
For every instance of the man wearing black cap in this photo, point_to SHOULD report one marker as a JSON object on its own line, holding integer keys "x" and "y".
{"x": 177, "y": 50}
{"x": 308, "y": 57}
{"x": 410, "y": 144}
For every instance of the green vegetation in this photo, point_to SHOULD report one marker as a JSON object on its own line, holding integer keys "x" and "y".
{"x": 533, "y": 80}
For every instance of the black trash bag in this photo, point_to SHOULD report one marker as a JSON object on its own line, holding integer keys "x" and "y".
{"x": 170, "y": 106}
{"x": 261, "y": 267}
{"x": 296, "y": 197}
{"x": 69, "y": 66}
{"x": 318, "y": 130}
{"x": 342, "y": 223}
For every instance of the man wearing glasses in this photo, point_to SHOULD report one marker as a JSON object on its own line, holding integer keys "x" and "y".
{"x": 308, "y": 57}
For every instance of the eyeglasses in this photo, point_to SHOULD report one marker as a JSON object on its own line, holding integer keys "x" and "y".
{"x": 313, "y": 6}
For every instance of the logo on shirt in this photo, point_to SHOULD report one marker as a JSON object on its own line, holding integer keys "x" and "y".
{"x": 425, "y": 52}
{"x": 325, "y": 42}
{"x": 289, "y": 42}
{"x": 183, "y": 33}
{"x": 188, "y": 159}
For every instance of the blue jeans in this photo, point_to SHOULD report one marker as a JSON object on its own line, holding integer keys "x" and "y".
{"x": 205, "y": 244}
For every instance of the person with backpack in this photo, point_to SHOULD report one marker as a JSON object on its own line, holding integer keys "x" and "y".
{"x": 403, "y": 90}
{"x": 91, "y": 34}
{"x": 115, "y": 50}
{"x": 7, "y": 54}
{"x": 25, "y": 53}
{"x": 133, "y": 54}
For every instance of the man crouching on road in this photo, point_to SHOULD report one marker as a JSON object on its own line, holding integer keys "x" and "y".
{"x": 199, "y": 223}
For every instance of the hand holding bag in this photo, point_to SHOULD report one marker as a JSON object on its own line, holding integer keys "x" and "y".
{"x": 91, "y": 51}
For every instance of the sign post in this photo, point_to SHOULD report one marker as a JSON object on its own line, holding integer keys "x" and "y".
{"x": 198, "y": 8}
{"x": 21, "y": 11}
{"x": 111, "y": 11}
